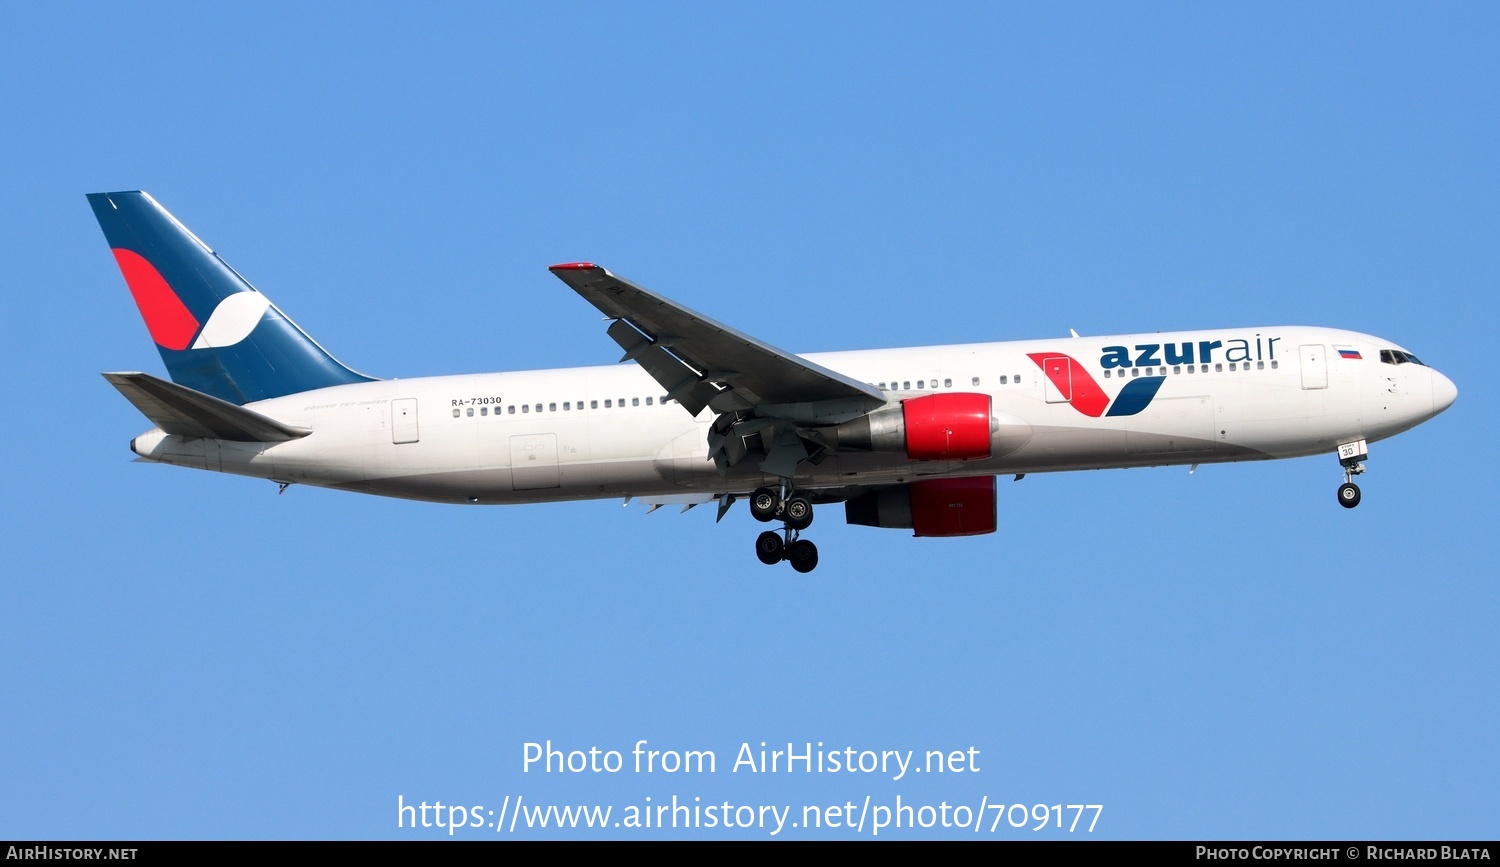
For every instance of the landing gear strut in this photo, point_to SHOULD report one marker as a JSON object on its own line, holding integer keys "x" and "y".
{"x": 796, "y": 514}
{"x": 1352, "y": 457}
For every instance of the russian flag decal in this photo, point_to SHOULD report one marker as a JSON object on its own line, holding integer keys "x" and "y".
{"x": 1345, "y": 352}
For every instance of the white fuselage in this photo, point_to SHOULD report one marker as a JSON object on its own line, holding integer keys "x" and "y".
{"x": 589, "y": 432}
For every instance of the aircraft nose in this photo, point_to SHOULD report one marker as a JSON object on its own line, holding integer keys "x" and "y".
{"x": 1444, "y": 392}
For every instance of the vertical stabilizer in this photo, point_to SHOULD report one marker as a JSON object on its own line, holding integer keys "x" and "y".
{"x": 216, "y": 333}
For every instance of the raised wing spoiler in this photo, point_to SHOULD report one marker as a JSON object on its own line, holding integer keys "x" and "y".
{"x": 701, "y": 362}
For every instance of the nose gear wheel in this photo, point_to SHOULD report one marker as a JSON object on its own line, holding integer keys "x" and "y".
{"x": 1353, "y": 465}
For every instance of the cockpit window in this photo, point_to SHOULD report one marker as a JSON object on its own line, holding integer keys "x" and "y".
{"x": 1396, "y": 356}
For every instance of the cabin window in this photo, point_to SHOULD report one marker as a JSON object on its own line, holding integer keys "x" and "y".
{"x": 975, "y": 382}
{"x": 1231, "y": 365}
{"x": 947, "y": 383}
{"x": 1135, "y": 371}
{"x": 1004, "y": 379}
{"x": 567, "y": 405}
{"x": 455, "y": 413}
{"x": 635, "y": 401}
{"x": 1275, "y": 364}
{"x": 484, "y": 410}
{"x": 551, "y": 407}
{"x": 608, "y": 404}
{"x": 471, "y": 412}
{"x": 906, "y": 383}
{"x": 1260, "y": 365}
{"x": 538, "y": 407}
{"x": 525, "y": 407}
{"x": 1218, "y": 368}
{"x": 648, "y": 401}
{"x": 919, "y": 385}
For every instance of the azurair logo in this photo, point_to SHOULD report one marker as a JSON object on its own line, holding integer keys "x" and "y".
{"x": 1202, "y": 352}
{"x": 1079, "y": 389}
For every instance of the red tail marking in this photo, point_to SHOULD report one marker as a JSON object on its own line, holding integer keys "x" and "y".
{"x": 168, "y": 320}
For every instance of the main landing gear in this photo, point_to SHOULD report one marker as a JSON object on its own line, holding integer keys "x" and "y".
{"x": 796, "y": 514}
{"x": 1351, "y": 457}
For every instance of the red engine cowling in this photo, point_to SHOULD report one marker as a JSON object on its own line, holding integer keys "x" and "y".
{"x": 932, "y": 507}
{"x": 953, "y": 507}
{"x": 952, "y": 426}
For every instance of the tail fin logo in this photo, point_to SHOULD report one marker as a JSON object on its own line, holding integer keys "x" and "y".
{"x": 1080, "y": 390}
{"x": 170, "y": 322}
{"x": 215, "y": 333}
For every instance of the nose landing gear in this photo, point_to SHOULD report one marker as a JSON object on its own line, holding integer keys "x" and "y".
{"x": 796, "y": 514}
{"x": 1352, "y": 457}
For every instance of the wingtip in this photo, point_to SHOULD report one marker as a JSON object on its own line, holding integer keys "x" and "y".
{"x": 573, "y": 266}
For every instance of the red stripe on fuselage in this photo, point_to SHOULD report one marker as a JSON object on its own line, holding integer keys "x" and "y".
{"x": 1073, "y": 381}
{"x": 171, "y": 325}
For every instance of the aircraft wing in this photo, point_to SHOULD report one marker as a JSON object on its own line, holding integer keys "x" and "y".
{"x": 703, "y": 363}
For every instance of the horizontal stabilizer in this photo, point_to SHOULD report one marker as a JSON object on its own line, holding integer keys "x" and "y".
{"x": 181, "y": 411}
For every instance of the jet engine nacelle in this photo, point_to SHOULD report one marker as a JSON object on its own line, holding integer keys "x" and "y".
{"x": 953, "y": 426}
{"x": 932, "y": 507}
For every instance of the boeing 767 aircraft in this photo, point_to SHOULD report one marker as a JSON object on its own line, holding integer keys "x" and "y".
{"x": 905, "y": 438}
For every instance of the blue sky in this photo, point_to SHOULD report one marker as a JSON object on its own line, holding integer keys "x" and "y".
{"x": 1218, "y": 655}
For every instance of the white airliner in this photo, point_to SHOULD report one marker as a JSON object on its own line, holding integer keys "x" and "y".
{"x": 905, "y": 438}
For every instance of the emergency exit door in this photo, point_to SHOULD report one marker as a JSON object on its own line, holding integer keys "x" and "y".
{"x": 404, "y": 420}
{"x": 1314, "y": 365}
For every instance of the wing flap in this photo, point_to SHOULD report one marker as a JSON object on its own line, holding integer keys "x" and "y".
{"x": 682, "y": 383}
{"x": 181, "y": 411}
